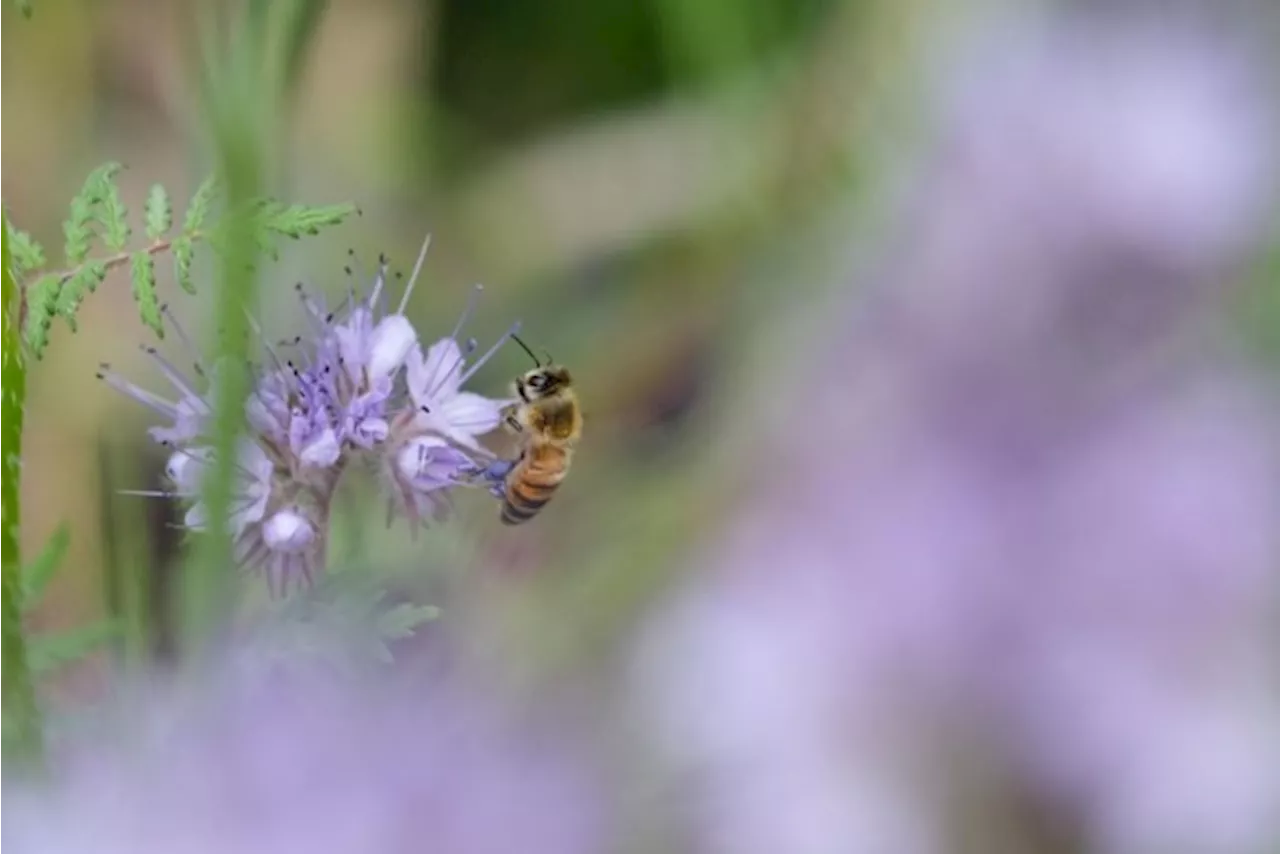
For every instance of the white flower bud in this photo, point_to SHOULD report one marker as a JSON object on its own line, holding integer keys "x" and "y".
{"x": 288, "y": 531}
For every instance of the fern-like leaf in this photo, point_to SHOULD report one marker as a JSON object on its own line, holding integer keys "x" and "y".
{"x": 36, "y": 575}
{"x": 99, "y": 210}
{"x": 50, "y": 652}
{"x": 183, "y": 255}
{"x": 110, "y": 209}
{"x": 42, "y": 305}
{"x": 296, "y": 220}
{"x": 77, "y": 231}
{"x": 73, "y": 290}
{"x": 24, "y": 253}
{"x": 401, "y": 621}
{"x": 159, "y": 212}
{"x": 198, "y": 209}
{"x": 144, "y": 290}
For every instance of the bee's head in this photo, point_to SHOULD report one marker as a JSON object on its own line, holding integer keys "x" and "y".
{"x": 545, "y": 380}
{"x": 542, "y": 381}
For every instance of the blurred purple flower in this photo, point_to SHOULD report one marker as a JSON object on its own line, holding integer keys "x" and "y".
{"x": 313, "y": 765}
{"x": 1045, "y": 515}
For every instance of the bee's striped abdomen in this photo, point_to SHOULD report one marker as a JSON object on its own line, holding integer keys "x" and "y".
{"x": 532, "y": 482}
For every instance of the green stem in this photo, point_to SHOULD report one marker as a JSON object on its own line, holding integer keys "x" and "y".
{"x": 22, "y": 733}
{"x": 208, "y": 594}
{"x": 119, "y": 259}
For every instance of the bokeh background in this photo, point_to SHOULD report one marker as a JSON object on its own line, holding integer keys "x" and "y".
{"x": 791, "y": 249}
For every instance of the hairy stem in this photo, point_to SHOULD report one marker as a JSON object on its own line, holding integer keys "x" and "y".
{"x": 22, "y": 732}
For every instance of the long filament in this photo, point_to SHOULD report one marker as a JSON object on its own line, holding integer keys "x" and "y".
{"x": 413, "y": 277}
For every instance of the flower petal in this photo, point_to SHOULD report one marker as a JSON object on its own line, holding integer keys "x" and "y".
{"x": 390, "y": 344}
{"x": 471, "y": 413}
{"x": 194, "y": 519}
{"x": 437, "y": 376}
{"x": 322, "y": 450}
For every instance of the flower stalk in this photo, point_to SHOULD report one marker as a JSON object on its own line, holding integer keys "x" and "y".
{"x": 207, "y": 589}
{"x": 23, "y": 738}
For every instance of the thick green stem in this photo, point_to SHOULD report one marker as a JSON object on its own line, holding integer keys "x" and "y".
{"x": 209, "y": 584}
{"x": 22, "y": 734}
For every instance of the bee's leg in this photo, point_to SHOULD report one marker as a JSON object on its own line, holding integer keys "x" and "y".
{"x": 496, "y": 473}
{"x": 498, "y": 470}
{"x": 514, "y": 424}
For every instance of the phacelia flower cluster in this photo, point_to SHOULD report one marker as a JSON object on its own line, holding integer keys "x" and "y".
{"x": 358, "y": 386}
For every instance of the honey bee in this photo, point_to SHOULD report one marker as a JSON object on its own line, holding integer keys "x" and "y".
{"x": 548, "y": 422}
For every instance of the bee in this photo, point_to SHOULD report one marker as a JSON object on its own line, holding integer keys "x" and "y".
{"x": 548, "y": 422}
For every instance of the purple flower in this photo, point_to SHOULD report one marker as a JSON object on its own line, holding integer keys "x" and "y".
{"x": 319, "y": 403}
{"x": 1036, "y": 518}
{"x": 303, "y": 763}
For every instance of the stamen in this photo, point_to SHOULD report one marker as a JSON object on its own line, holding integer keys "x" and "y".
{"x": 378, "y": 281}
{"x": 457, "y": 329}
{"x": 266, "y": 345}
{"x": 174, "y": 376}
{"x": 515, "y": 327}
{"x": 457, "y": 363}
{"x": 315, "y": 310}
{"x": 146, "y": 398}
{"x": 413, "y": 277}
{"x": 466, "y": 312}
{"x": 183, "y": 337}
{"x": 236, "y": 464}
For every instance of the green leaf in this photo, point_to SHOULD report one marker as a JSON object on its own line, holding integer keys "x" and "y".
{"x": 159, "y": 212}
{"x": 400, "y": 621}
{"x": 49, "y": 652}
{"x": 198, "y": 209}
{"x": 183, "y": 254}
{"x": 77, "y": 231}
{"x": 111, "y": 211}
{"x": 36, "y": 575}
{"x": 297, "y": 220}
{"x": 72, "y": 292}
{"x": 24, "y": 253}
{"x": 24, "y": 6}
{"x": 144, "y": 290}
{"x": 42, "y": 305}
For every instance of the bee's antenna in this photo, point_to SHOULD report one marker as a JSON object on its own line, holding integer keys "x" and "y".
{"x": 547, "y": 353}
{"x": 525, "y": 347}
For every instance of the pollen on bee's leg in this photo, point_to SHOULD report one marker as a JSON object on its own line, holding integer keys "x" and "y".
{"x": 498, "y": 470}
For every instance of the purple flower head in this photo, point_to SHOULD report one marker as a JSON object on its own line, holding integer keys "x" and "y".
{"x": 319, "y": 402}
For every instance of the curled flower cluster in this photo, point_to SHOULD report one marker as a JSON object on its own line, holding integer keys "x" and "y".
{"x": 358, "y": 386}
